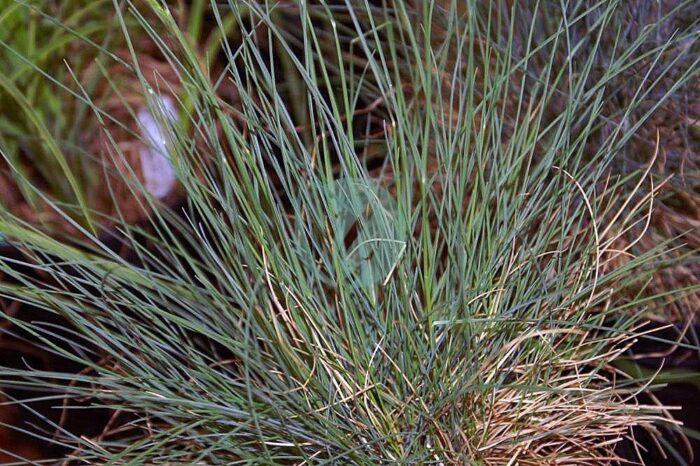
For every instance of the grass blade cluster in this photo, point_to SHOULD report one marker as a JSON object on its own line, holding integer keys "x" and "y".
{"x": 396, "y": 245}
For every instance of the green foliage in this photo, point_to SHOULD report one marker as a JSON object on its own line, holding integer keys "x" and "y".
{"x": 41, "y": 126}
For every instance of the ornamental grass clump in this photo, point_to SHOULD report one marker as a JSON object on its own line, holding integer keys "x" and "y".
{"x": 391, "y": 250}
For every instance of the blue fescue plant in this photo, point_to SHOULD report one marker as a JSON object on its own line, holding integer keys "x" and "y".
{"x": 390, "y": 251}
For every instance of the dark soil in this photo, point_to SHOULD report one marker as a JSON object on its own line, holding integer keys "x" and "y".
{"x": 685, "y": 396}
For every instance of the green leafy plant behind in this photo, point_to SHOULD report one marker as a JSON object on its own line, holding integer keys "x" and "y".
{"x": 39, "y": 130}
{"x": 387, "y": 254}
{"x": 65, "y": 68}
